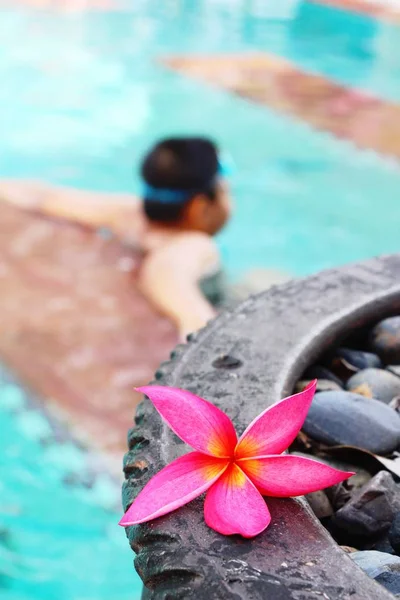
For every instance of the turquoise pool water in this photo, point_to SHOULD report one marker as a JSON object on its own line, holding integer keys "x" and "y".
{"x": 82, "y": 97}
{"x": 59, "y": 538}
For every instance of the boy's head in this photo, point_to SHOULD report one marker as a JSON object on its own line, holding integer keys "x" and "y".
{"x": 184, "y": 185}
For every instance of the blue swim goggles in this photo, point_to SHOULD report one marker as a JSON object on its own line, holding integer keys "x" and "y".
{"x": 167, "y": 196}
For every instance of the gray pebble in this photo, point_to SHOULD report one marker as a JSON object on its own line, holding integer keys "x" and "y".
{"x": 375, "y": 383}
{"x": 351, "y": 419}
{"x": 320, "y": 504}
{"x": 384, "y": 340}
{"x": 394, "y": 533}
{"x": 370, "y": 511}
{"x": 345, "y": 362}
{"x": 390, "y": 581}
{"x": 321, "y": 372}
{"x": 323, "y": 385}
{"x": 375, "y": 563}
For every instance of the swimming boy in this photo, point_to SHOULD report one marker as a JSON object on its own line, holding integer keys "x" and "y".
{"x": 185, "y": 202}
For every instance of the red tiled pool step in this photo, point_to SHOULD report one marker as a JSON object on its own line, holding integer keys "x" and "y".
{"x": 367, "y": 121}
{"x": 74, "y": 326}
{"x": 380, "y": 10}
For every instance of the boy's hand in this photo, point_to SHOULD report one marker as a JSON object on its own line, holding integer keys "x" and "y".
{"x": 26, "y": 194}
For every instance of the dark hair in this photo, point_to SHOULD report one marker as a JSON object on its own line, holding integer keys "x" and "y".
{"x": 187, "y": 166}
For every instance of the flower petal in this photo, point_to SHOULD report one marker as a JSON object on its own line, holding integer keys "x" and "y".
{"x": 288, "y": 475}
{"x": 197, "y": 422}
{"x": 177, "y": 484}
{"x": 234, "y": 505}
{"x": 275, "y": 429}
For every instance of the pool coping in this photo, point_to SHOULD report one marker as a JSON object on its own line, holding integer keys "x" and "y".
{"x": 274, "y": 336}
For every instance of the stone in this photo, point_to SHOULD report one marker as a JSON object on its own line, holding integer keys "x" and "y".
{"x": 384, "y": 340}
{"x": 320, "y": 372}
{"x": 338, "y": 495}
{"x": 390, "y": 581}
{"x": 383, "y": 567}
{"x": 351, "y": 419}
{"x": 375, "y": 563}
{"x": 320, "y": 504}
{"x": 361, "y": 476}
{"x": 348, "y": 549}
{"x": 323, "y": 385}
{"x": 375, "y": 383}
{"x": 345, "y": 362}
{"x": 383, "y": 545}
{"x": 394, "y": 533}
{"x": 371, "y": 509}
{"x": 359, "y": 359}
{"x": 395, "y": 369}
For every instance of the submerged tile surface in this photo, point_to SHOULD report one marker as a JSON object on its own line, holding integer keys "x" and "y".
{"x": 386, "y": 10}
{"x": 74, "y": 326}
{"x": 367, "y": 121}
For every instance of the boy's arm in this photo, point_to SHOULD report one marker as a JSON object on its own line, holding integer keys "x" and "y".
{"x": 88, "y": 208}
{"x": 169, "y": 278}
{"x": 169, "y": 275}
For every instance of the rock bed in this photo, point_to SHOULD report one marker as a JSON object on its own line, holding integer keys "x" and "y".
{"x": 354, "y": 423}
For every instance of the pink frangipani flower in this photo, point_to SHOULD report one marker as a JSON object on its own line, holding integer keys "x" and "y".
{"x": 235, "y": 473}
